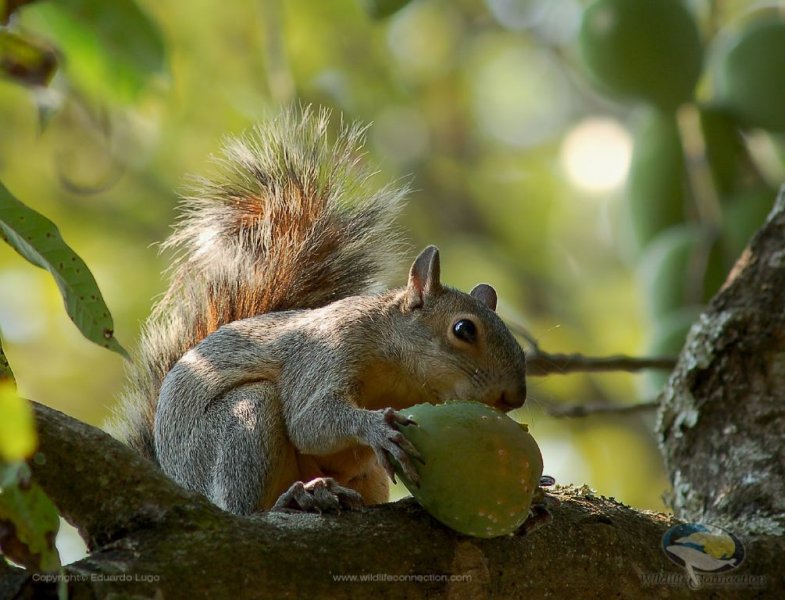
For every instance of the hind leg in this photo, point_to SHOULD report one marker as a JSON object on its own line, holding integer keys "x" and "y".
{"x": 256, "y": 466}
{"x": 251, "y": 449}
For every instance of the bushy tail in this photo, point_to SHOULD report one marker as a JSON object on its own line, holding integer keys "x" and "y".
{"x": 289, "y": 221}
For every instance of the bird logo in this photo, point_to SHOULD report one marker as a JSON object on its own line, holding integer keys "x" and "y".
{"x": 702, "y": 549}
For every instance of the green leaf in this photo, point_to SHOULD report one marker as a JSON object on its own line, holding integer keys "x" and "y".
{"x": 37, "y": 239}
{"x": 26, "y": 61}
{"x": 18, "y": 438}
{"x": 112, "y": 49}
{"x": 28, "y": 520}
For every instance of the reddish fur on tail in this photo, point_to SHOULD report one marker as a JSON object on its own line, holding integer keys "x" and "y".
{"x": 290, "y": 220}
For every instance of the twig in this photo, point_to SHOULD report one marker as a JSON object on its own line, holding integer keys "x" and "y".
{"x": 540, "y": 363}
{"x": 584, "y": 410}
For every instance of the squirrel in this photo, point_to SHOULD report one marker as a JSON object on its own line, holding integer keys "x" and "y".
{"x": 272, "y": 373}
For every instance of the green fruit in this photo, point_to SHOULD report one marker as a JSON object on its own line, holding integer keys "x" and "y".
{"x": 669, "y": 268}
{"x": 642, "y": 49}
{"x": 481, "y": 467}
{"x": 655, "y": 188}
{"x": 749, "y": 73}
{"x": 726, "y": 153}
{"x": 664, "y": 266}
{"x": 683, "y": 266}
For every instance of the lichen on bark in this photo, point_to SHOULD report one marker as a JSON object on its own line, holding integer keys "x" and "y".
{"x": 721, "y": 423}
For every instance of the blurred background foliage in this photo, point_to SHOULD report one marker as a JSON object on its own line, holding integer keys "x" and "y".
{"x": 604, "y": 191}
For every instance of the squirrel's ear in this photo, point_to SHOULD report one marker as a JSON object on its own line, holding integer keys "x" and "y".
{"x": 485, "y": 294}
{"x": 423, "y": 278}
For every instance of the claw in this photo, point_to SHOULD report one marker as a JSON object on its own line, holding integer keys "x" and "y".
{"x": 324, "y": 498}
{"x": 408, "y": 447}
{"x": 395, "y": 418}
{"x": 383, "y": 435}
{"x": 322, "y": 494}
{"x": 398, "y": 451}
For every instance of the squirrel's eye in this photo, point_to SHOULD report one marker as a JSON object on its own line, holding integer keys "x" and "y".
{"x": 465, "y": 330}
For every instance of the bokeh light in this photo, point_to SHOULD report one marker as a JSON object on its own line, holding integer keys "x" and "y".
{"x": 595, "y": 155}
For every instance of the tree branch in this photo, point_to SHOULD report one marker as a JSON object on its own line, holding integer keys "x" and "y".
{"x": 584, "y": 410}
{"x": 99, "y": 485}
{"x": 539, "y": 363}
{"x": 151, "y": 538}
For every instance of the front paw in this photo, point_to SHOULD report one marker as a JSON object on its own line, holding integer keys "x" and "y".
{"x": 322, "y": 494}
{"x": 383, "y": 436}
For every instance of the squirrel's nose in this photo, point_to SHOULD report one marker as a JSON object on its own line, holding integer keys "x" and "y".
{"x": 512, "y": 398}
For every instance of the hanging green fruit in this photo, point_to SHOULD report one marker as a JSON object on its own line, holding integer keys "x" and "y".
{"x": 749, "y": 73}
{"x": 682, "y": 266}
{"x": 647, "y": 50}
{"x": 726, "y": 153}
{"x": 656, "y": 183}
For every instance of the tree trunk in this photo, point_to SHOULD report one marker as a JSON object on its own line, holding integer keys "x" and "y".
{"x": 722, "y": 414}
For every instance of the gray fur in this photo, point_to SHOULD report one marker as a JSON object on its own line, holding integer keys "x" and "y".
{"x": 263, "y": 386}
{"x": 271, "y": 356}
{"x": 232, "y": 263}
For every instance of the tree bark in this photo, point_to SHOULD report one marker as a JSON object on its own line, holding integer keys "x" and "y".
{"x": 722, "y": 415}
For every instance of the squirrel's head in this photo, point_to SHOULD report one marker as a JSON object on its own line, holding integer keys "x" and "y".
{"x": 466, "y": 352}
